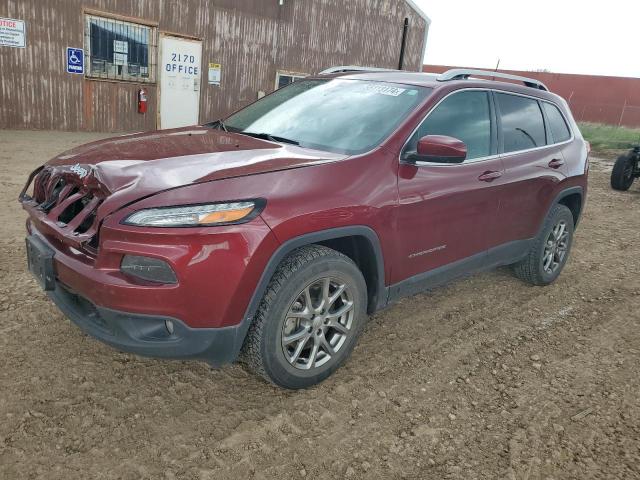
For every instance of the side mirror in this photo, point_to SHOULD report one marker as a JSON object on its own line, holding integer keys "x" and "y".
{"x": 440, "y": 149}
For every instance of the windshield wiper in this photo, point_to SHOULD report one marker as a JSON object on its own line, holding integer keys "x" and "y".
{"x": 219, "y": 124}
{"x": 271, "y": 138}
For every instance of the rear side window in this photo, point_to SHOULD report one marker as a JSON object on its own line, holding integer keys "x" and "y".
{"x": 465, "y": 116}
{"x": 558, "y": 126}
{"x": 522, "y": 122}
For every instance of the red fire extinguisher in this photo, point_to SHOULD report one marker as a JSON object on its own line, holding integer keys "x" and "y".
{"x": 142, "y": 101}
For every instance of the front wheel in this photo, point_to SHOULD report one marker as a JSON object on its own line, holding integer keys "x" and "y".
{"x": 550, "y": 250}
{"x": 622, "y": 174}
{"x": 309, "y": 320}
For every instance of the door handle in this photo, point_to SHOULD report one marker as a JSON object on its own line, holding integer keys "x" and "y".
{"x": 489, "y": 176}
{"x": 556, "y": 163}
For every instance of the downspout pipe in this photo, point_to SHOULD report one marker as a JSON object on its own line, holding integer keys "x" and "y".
{"x": 405, "y": 29}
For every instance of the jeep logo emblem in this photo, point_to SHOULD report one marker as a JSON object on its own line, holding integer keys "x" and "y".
{"x": 78, "y": 170}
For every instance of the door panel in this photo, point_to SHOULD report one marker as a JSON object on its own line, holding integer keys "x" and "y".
{"x": 444, "y": 214}
{"x": 446, "y": 210}
{"x": 532, "y": 169}
{"x": 180, "y": 76}
{"x": 529, "y": 185}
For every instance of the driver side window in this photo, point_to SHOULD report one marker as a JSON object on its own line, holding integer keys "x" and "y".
{"x": 464, "y": 115}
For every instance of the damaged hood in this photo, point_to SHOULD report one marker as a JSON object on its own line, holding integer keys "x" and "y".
{"x": 131, "y": 167}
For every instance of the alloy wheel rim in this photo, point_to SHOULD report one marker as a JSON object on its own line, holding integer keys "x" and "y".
{"x": 318, "y": 323}
{"x": 555, "y": 248}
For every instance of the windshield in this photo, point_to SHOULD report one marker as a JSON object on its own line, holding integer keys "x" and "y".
{"x": 342, "y": 116}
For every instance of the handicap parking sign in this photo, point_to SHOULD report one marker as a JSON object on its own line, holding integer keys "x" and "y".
{"x": 75, "y": 60}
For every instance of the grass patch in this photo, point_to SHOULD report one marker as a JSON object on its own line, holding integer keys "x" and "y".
{"x": 609, "y": 140}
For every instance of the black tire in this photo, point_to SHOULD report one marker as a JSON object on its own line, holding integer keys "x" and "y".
{"x": 532, "y": 268}
{"x": 263, "y": 351}
{"x": 622, "y": 174}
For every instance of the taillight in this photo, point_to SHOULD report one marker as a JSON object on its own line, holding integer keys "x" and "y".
{"x": 586, "y": 162}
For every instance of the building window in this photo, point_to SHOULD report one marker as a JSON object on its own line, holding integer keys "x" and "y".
{"x": 285, "y": 78}
{"x": 119, "y": 50}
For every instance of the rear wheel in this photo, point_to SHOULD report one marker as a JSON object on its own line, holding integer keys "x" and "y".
{"x": 622, "y": 174}
{"x": 550, "y": 250}
{"x": 309, "y": 320}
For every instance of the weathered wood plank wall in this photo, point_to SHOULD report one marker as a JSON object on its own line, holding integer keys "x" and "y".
{"x": 252, "y": 39}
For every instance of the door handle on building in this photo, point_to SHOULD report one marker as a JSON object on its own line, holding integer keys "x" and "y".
{"x": 489, "y": 176}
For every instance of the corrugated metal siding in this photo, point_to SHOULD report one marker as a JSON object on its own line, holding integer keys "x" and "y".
{"x": 592, "y": 98}
{"x": 252, "y": 39}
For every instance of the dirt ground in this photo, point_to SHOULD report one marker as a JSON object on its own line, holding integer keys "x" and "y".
{"x": 485, "y": 378}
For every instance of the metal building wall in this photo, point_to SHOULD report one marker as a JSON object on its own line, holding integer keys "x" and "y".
{"x": 252, "y": 39}
{"x": 592, "y": 98}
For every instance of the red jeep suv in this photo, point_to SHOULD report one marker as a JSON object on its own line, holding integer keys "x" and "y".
{"x": 270, "y": 235}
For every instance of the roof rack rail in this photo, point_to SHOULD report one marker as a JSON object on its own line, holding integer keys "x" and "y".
{"x": 464, "y": 74}
{"x": 354, "y": 68}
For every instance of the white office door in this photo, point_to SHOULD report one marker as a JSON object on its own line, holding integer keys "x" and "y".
{"x": 180, "y": 73}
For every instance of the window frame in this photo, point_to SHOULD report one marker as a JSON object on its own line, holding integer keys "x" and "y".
{"x": 547, "y": 128}
{"x": 89, "y": 14}
{"x": 548, "y": 122}
{"x": 494, "y": 131}
{"x": 496, "y": 128}
{"x": 285, "y": 73}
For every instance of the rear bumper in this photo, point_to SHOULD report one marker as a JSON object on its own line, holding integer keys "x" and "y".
{"x": 147, "y": 335}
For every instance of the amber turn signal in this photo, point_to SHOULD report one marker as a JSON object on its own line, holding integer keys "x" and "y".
{"x": 225, "y": 216}
{"x": 196, "y": 215}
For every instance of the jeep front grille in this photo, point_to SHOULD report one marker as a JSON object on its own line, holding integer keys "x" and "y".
{"x": 66, "y": 204}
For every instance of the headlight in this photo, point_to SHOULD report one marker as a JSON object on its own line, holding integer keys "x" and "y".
{"x": 196, "y": 215}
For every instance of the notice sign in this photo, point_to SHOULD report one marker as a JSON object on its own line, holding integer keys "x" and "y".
{"x": 12, "y": 33}
{"x": 120, "y": 47}
{"x": 120, "y": 52}
{"x": 215, "y": 73}
{"x": 120, "y": 58}
{"x": 75, "y": 60}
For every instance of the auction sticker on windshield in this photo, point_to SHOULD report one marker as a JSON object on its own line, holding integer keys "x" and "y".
{"x": 385, "y": 90}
